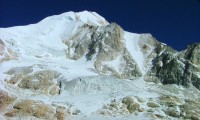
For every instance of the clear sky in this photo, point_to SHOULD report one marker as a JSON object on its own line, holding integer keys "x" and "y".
{"x": 174, "y": 22}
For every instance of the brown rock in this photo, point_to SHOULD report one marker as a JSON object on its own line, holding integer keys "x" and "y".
{"x": 152, "y": 104}
{"x": 55, "y": 90}
{"x": 35, "y": 108}
{"x": 15, "y": 79}
{"x": 41, "y": 81}
{"x": 170, "y": 100}
{"x": 131, "y": 105}
{"x": 12, "y": 113}
{"x": 141, "y": 109}
{"x": 5, "y": 100}
{"x": 172, "y": 112}
{"x": 60, "y": 113}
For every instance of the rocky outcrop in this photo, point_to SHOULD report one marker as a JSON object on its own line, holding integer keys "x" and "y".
{"x": 171, "y": 71}
{"x": 193, "y": 53}
{"x": 172, "y": 111}
{"x": 41, "y": 80}
{"x": 130, "y": 104}
{"x": 62, "y": 113}
{"x": 31, "y": 108}
{"x": 44, "y": 81}
{"x": 124, "y": 107}
{"x": 113, "y": 108}
{"x": 6, "y": 53}
{"x": 152, "y": 105}
{"x": 192, "y": 64}
{"x": 5, "y": 100}
{"x": 163, "y": 107}
{"x": 190, "y": 110}
{"x": 170, "y": 101}
{"x": 2, "y": 45}
{"x": 102, "y": 45}
{"x": 172, "y": 67}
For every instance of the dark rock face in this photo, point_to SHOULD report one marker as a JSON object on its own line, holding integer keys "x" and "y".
{"x": 193, "y": 54}
{"x": 170, "y": 72}
{"x": 181, "y": 68}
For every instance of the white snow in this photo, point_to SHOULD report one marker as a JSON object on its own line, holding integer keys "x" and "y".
{"x": 132, "y": 44}
{"x": 92, "y": 18}
{"x": 198, "y": 74}
{"x": 114, "y": 64}
{"x": 100, "y": 117}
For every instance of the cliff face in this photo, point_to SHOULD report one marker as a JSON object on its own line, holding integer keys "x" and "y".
{"x": 181, "y": 68}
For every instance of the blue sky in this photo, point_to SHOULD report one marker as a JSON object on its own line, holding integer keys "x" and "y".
{"x": 174, "y": 22}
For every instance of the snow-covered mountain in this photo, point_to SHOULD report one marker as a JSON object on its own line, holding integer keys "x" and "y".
{"x": 79, "y": 66}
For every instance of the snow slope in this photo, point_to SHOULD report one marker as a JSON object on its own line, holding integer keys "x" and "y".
{"x": 42, "y": 42}
{"x": 132, "y": 44}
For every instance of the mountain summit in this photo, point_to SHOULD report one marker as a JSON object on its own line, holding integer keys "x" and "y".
{"x": 79, "y": 66}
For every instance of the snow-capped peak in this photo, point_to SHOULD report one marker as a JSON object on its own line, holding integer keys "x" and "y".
{"x": 50, "y": 31}
{"x": 88, "y": 17}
